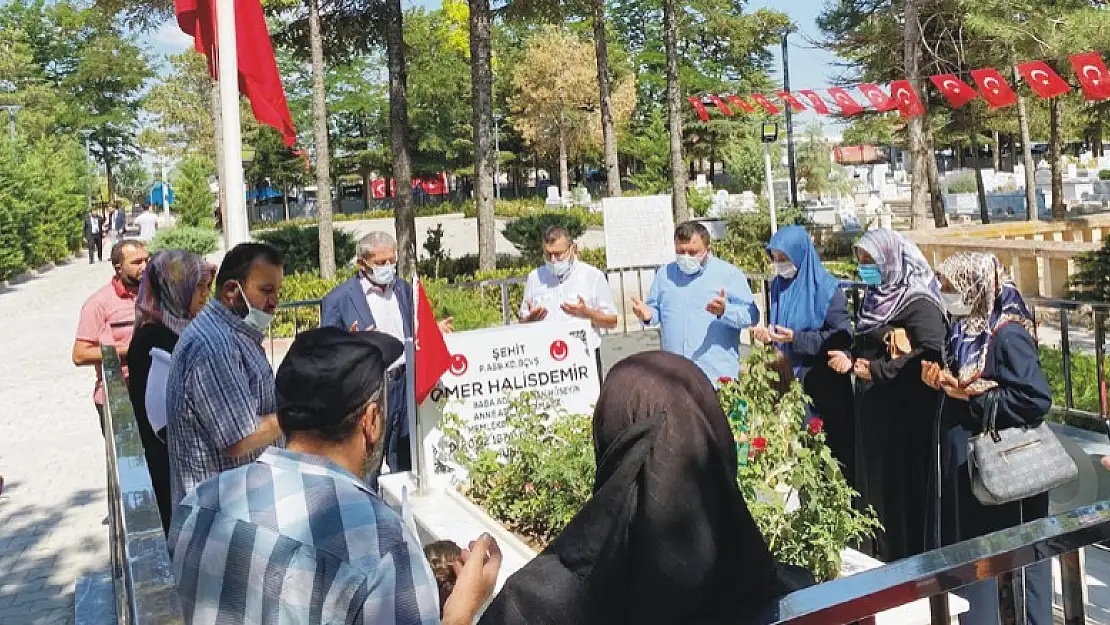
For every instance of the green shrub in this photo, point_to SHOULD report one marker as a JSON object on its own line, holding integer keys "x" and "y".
{"x": 300, "y": 247}
{"x": 698, "y": 202}
{"x": 1104, "y": 174}
{"x": 1091, "y": 282}
{"x": 464, "y": 267}
{"x": 526, "y": 232}
{"x": 202, "y": 241}
{"x": 745, "y": 242}
{"x": 1084, "y": 378}
{"x": 963, "y": 183}
{"x": 303, "y": 287}
{"x": 548, "y": 468}
{"x": 594, "y": 256}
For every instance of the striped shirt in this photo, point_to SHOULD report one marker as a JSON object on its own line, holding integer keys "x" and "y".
{"x": 293, "y": 538}
{"x": 219, "y": 386}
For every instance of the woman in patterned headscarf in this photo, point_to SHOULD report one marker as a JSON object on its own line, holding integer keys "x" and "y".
{"x": 900, "y": 323}
{"x": 991, "y": 350}
{"x": 174, "y": 287}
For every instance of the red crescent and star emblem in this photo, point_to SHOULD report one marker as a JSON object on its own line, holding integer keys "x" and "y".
{"x": 559, "y": 350}
{"x": 459, "y": 365}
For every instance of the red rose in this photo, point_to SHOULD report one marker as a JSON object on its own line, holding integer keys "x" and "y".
{"x": 724, "y": 379}
{"x": 759, "y": 444}
{"x": 815, "y": 425}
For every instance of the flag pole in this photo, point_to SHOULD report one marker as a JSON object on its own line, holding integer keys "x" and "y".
{"x": 231, "y": 169}
{"x": 416, "y": 437}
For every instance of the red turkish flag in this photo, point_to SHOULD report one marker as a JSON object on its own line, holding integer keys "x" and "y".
{"x": 906, "y": 99}
{"x": 792, "y": 101}
{"x": 721, "y": 105}
{"x": 767, "y": 105}
{"x": 1043, "y": 80}
{"x": 742, "y": 103}
{"x": 996, "y": 91}
{"x": 703, "y": 113}
{"x": 259, "y": 79}
{"x": 437, "y": 185}
{"x": 881, "y": 101}
{"x": 815, "y": 101}
{"x": 377, "y": 188}
{"x": 957, "y": 92}
{"x": 1093, "y": 75}
{"x": 848, "y": 106}
{"x": 432, "y": 357}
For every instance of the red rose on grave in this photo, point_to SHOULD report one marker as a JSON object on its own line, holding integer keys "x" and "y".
{"x": 724, "y": 379}
{"x": 759, "y": 444}
{"x": 815, "y": 425}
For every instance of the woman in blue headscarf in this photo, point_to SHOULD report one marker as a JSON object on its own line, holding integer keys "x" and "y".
{"x": 808, "y": 320}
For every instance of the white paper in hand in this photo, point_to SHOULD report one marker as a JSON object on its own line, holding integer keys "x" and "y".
{"x": 156, "y": 388}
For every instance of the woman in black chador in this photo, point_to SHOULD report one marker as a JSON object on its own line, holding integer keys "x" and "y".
{"x": 992, "y": 356}
{"x": 901, "y": 322}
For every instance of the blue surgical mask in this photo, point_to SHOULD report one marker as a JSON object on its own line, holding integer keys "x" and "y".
{"x": 256, "y": 317}
{"x": 870, "y": 275}
{"x": 383, "y": 275}
{"x": 689, "y": 265}
{"x": 559, "y": 267}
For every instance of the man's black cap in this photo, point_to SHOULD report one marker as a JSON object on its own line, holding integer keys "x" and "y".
{"x": 329, "y": 373}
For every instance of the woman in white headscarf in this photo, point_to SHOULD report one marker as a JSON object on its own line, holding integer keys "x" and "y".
{"x": 900, "y": 323}
{"x": 991, "y": 353}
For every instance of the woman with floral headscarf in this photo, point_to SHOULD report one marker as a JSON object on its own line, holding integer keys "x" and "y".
{"x": 900, "y": 323}
{"x": 174, "y": 287}
{"x": 991, "y": 350}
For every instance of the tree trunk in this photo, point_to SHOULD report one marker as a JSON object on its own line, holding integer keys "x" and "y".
{"x": 367, "y": 190}
{"x": 285, "y": 199}
{"x": 564, "y": 170}
{"x": 323, "y": 157}
{"x": 1055, "y": 159}
{"x": 996, "y": 159}
{"x": 936, "y": 193}
{"x": 608, "y": 132}
{"x": 403, "y": 217}
{"x": 481, "y": 100}
{"x": 1027, "y": 157}
{"x": 218, "y": 125}
{"x": 980, "y": 187}
{"x": 108, "y": 177}
{"x": 674, "y": 113}
{"x": 920, "y": 154}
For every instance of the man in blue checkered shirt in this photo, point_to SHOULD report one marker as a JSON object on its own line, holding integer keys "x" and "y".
{"x": 296, "y": 537}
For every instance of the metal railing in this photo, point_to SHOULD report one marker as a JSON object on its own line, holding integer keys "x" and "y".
{"x": 933, "y": 574}
{"x": 142, "y": 579}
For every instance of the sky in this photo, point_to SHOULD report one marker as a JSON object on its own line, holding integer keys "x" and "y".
{"x": 811, "y": 67}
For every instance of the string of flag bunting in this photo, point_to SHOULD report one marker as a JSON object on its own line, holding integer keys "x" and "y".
{"x": 990, "y": 84}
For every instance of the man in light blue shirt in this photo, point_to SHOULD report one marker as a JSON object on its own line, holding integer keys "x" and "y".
{"x": 701, "y": 303}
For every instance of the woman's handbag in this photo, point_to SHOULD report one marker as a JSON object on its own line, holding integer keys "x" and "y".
{"x": 898, "y": 343}
{"x": 1014, "y": 463}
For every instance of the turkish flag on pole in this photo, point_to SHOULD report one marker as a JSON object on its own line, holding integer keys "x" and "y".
{"x": 767, "y": 105}
{"x": 957, "y": 92}
{"x": 259, "y": 79}
{"x": 906, "y": 99}
{"x": 432, "y": 357}
{"x": 848, "y": 106}
{"x": 1093, "y": 75}
{"x": 792, "y": 101}
{"x": 703, "y": 113}
{"x": 815, "y": 101}
{"x": 996, "y": 91}
{"x": 742, "y": 103}
{"x": 721, "y": 105}
{"x": 881, "y": 101}
{"x": 1042, "y": 79}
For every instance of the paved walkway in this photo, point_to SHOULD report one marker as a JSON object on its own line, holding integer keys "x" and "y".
{"x": 51, "y": 450}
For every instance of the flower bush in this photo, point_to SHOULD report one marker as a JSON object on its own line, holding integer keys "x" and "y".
{"x": 790, "y": 480}
{"x": 541, "y": 477}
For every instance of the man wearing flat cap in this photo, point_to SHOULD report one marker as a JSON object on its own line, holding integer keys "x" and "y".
{"x": 299, "y": 535}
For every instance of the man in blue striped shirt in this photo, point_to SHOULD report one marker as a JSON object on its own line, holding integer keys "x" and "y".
{"x": 297, "y": 536}
{"x": 220, "y": 389}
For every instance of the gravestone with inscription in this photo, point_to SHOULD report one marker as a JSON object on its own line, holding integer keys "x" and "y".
{"x": 639, "y": 231}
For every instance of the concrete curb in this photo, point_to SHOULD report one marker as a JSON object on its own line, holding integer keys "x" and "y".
{"x": 31, "y": 274}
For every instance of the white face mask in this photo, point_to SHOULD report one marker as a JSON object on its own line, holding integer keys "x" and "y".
{"x": 785, "y": 269}
{"x": 382, "y": 274}
{"x": 689, "y": 265}
{"x": 559, "y": 267}
{"x": 256, "y": 317}
{"x": 954, "y": 304}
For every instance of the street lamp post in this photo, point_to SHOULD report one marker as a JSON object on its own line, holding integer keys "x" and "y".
{"x": 770, "y": 134}
{"x": 496, "y": 156}
{"x": 12, "y": 109}
{"x": 88, "y": 157}
{"x": 789, "y": 119}
{"x": 165, "y": 191}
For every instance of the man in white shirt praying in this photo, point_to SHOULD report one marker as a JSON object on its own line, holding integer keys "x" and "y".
{"x": 565, "y": 288}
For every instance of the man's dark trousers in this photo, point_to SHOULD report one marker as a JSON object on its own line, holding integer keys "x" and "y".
{"x": 98, "y": 243}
